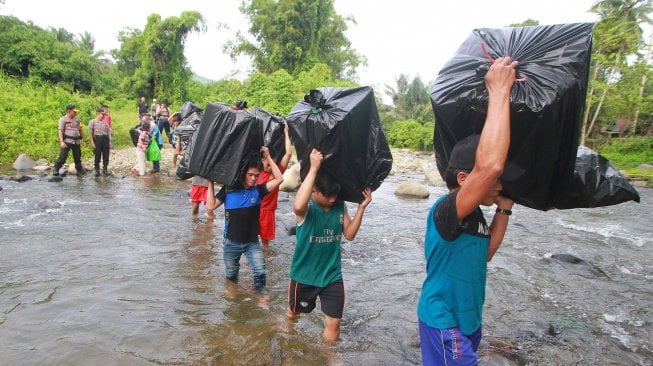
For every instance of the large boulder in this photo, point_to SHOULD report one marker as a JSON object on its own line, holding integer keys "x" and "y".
{"x": 291, "y": 179}
{"x": 24, "y": 162}
{"x": 411, "y": 188}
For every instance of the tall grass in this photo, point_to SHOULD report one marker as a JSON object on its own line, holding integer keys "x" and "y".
{"x": 29, "y": 111}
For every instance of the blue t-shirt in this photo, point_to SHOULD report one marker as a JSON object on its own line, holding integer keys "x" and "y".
{"x": 242, "y": 208}
{"x": 453, "y": 292}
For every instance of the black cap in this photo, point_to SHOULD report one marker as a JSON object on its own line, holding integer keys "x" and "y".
{"x": 71, "y": 107}
{"x": 463, "y": 157}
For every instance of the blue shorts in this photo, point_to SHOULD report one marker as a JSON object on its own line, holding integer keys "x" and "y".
{"x": 448, "y": 346}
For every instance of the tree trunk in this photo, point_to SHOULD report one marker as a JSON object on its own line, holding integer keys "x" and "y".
{"x": 642, "y": 85}
{"x": 605, "y": 92}
{"x": 588, "y": 103}
{"x": 641, "y": 96}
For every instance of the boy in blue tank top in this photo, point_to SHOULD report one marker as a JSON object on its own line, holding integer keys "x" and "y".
{"x": 458, "y": 242}
{"x": 315, "y": 271}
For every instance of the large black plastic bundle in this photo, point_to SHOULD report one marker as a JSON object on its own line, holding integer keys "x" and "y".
{"x": 596, "y": 183}
{"x": 273, "y": 136}
{"x": 185, "y": 132}
{"x": 189, "y": 108}
{"x": 546, "y": 108}
{"x": 343, "y": 123}
{"x": 225, "y": 141}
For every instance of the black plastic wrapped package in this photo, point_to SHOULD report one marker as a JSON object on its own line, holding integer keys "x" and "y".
{"x": 546, "y": 106}
{"x": 596, "y": 183}
{"x": 185, "y": 132}
{"x": 224, "y": 143}
{"x": 342, "y": 123}
{"x": 273, "y": 136}
{"x": 189, "y": 108}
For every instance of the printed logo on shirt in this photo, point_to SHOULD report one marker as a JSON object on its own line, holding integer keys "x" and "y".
{"x": 328, "y": 236}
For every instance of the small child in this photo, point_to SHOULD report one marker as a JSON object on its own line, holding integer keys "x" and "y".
{"x": 316, "y": 268}
{"x": 143, "y": 143}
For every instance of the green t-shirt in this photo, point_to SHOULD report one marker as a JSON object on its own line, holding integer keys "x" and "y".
{"x": 317, "y": 261}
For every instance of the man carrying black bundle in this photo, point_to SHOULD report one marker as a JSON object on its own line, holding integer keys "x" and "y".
{"x": 458, "y": 242}
{"x": 242, "y": 207}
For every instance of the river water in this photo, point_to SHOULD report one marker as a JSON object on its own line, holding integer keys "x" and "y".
{"x": 115, "y": 271}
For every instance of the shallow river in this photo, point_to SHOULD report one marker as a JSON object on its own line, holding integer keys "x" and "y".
{"x": 115, "y": 271}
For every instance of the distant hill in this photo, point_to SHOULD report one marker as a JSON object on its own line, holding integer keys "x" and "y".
{"x": 202, "y": 79}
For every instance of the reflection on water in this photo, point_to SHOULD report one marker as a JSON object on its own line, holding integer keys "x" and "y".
{"x": 115, "y": 271}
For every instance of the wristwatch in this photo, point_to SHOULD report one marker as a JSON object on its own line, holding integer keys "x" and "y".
{"x": 503, "y": 211}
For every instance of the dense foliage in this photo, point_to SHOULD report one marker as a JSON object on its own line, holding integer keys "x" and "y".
{"x": 295, "y": 36}
{"x": 295, "y": 46}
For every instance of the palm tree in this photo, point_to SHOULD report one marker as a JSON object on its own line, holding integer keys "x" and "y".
{"x": 617, "y": 35}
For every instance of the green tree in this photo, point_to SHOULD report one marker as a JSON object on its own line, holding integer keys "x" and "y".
{"x": 295, "y": 36}
{"x": 153, "y": 61}
{"x": 526, "y": 23}
{"x": 410, "y": 99}
{"x": 617, "y": 37}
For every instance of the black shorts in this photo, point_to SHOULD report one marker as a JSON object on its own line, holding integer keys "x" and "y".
{"x": 301, "y": 298}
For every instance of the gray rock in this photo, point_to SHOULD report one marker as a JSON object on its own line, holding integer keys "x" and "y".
{"x": 645, "y": 167}
{"x": 24, "y": 162}
{"x": 291, "y": 179}
{"x": 412, "y": 188}
{"x": 48, "y": 204}
{"x": 20, "y": 178}
{"x": 41, "y": 168}
{"x": 433, "y": 177}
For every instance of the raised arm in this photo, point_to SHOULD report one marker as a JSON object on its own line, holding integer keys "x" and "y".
{"x": 493, "y": 146}
{"x": 278, "y": 177}
{"x": 351, "y": 226}
{"x": 286, "y": 157}
{"x": 211, "y": 202}
{"x": 300, "y": 206}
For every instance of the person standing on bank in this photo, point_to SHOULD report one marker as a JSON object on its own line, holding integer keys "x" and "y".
{"x": 100, "y": 132}
{"x": 153, "y": 108}
{"x": 242, "y": 205}
{"x": 458, "y": 242}
{"x": 142, "y": 107}
{"x": 163, "y": 116}
{"x": 71, "y": 137}
{"x": 316, "y": 267}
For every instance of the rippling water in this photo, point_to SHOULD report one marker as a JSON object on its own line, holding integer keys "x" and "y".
{"x": 114, "y": 271}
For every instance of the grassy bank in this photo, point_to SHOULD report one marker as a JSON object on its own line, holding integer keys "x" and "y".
{"x": 628, "y": 154}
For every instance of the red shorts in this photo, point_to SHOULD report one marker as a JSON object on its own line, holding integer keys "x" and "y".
{"x": 198, "y": 193}
{"x": 267, "y": 224}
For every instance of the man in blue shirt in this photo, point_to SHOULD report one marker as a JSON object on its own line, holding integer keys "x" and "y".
{"x": 458, "y": 242}
{"x": 242, "y": 208}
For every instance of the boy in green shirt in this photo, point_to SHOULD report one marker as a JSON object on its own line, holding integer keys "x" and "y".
{"x": 315, "y": 270}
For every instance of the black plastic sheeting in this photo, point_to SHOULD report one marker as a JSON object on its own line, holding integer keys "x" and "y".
{"x": 185, "y": 133}
{"x": 343, "y": 123}
{"x": 596, "y": 183}
{"x": 273, "y": 137}
{"x": 546, "y": 108}
{"x": 191, "y": 115}
{"x": 189, "y": 108}
{"x": 225, "y": 141}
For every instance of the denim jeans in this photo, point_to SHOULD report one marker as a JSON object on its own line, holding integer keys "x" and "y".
{"x": 232, "y": 251}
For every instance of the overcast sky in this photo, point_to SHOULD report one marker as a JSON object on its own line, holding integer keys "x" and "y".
{"x": 413, "y": 37}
